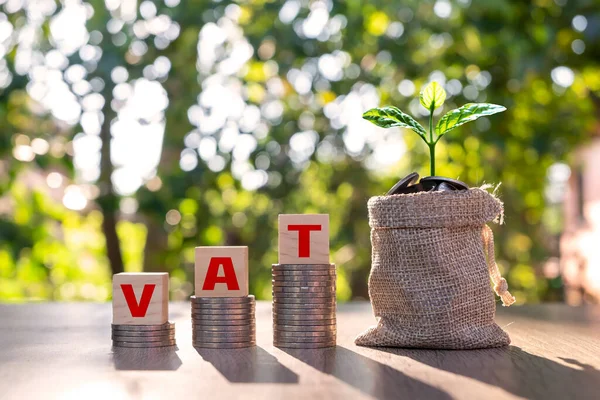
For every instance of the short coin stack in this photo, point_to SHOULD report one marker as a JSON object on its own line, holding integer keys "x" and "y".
{"x": 223, "y": 322}
{"x": 143, "y": 335}
{"x": 304, "y": 305}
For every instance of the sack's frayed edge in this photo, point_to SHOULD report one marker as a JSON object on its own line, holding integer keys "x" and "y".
{"x": 486, "y": 186}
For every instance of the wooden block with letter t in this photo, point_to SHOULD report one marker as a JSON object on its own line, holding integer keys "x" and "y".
{"x": 304, "y": 239}
{"x": 140, "y": 298}
{"x": 221, "y": 271}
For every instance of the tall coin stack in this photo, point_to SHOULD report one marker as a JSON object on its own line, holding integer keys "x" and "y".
{"x": 143, "y": 335}
{"x": 223, "y": 322}
{"x": 304, "y": 305}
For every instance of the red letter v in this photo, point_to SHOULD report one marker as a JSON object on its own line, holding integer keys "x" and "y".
{"x": 138, "y": 310}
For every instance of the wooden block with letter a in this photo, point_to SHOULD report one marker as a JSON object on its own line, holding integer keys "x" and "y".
{"x": 304, "y": 239}
{"x": 221, "y": 271}
{"x": 140, "y": 298}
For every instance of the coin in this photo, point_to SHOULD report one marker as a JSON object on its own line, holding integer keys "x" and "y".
{"x": 302, "y": 322}
{"x": 304, "y": 289}
{"x": 143, "y": 328}
{"x": 299, "y": 301}
{"x": 224, "y": 345}
{"x": 281, "y": 333}
{"x": 144, "y": 333}
{"x": 303, "y": 317}
{"x": 224, "y": 300}
{"x": 302, "y": 284}
{"x": 223, "y": 339}
{"x": 239, "y": 322}
{"x": 224, "y": 312}
{"x": 306, "y": 339}
{"x": 304, "y": 296}
{"x": 137, "y": 339}
{"x": 223, "y": 328}
{"x": 403, "y": 183}
{"x": 304, "y": 307}
{"x": 221, "y": 317}
{"x": 304, "y": 345}
{"x": 303, "y": 267}
{"x": 202, "y": 333}
{"x": 147, "y": 344}
{"x": 223, "y": 306}
{"x": 305, "y": 328}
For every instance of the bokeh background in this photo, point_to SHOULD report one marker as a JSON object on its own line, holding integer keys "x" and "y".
{"x": 133, "y": 131}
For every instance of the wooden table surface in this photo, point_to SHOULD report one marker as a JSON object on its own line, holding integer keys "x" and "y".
{"x": 64, "y": 351}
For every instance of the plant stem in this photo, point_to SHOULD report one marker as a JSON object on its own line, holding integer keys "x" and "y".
{"x": 431, "y": 143}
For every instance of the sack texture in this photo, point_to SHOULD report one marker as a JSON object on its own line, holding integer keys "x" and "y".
{"x": 432, "y": 260}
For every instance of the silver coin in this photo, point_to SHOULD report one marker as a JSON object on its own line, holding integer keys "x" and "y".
{"x": 302, "y": 267}
{"x": 306, "y": 339}
{"x": 223, "y": 307}
{"x": 304, "y": 345}
{"x": 304, "y": 289}
{"x": 304, "y": 296}
{"x": 223, "y": 328}
{"x": 304, "y": 275}
{"x": 169, "y": 332}
{"x": 300, "y": 328}
{"x": 196, "y": 322}
{"x": 200, "y": 333}
{"x": 296, "y": 301}
{"x": 137, "y": 339}
{"x": 145, "y": 344}
{"x": 143, "y": 328}
{"x": 277, "y": 307}
{"x": 223, "y": 300}
{"x": 207, "y": 312}
{"x": 302, "y": 284}
{"x": 303, "y": 317}
{"x": 304, "y": 334}
{"x": 221, "y": 317}
{"x": 292, "y": 321}
{"x": 142, "y": 337}
{"x": 224, "y": 339}
{"x": 224, "y": 345}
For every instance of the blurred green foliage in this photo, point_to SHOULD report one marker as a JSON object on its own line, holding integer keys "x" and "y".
{"x": 318, "y": 65}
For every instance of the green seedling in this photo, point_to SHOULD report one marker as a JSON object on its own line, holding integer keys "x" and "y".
{"x": 432, "y": 97}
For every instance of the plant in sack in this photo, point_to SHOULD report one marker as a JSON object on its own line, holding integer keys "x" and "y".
{"x": 432, "y": 251}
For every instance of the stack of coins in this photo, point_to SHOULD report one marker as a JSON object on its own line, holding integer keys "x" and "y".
{"x": 304, "y": 305}
{"x": 143, "y": 335}
{"x": 223, "y": 322}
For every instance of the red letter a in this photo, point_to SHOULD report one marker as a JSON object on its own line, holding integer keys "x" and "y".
{"x": 138, "y": 310}
{"x": 229, "y": 276}
{"x": 304, "y": 237}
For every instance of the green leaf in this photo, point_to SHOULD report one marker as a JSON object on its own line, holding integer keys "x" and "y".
{"x": 467, "y": 113}
{"x": 433, "y": 96}
{"x": 387, "y": 117}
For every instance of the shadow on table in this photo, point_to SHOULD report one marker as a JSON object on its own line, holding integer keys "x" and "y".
{"x": 514, "y": 370}
{"x": 365, "y": 374}
{"x": 146, "y": 359}
{"x": 248, "y": 365}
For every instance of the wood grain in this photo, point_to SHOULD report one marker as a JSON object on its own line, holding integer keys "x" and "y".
{"x": 239, "y": 258}
{"x": 289, "y": 239}
{"x": 64, "y": 351}
{"x": 158, "y": 309}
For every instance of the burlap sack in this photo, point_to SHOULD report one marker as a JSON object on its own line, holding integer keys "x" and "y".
{"x": 433, "y": 257}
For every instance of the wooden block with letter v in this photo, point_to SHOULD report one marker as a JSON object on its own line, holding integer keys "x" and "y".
{"x": 221, "y": 271}
{"x": 140, "y": 298}
{"x": 304, "y": 239}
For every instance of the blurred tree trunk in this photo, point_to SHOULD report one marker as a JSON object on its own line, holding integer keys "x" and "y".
{"x": 108, "y": 201}
{"x": 156, "y": 246}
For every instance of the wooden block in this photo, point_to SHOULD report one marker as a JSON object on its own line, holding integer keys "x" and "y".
{"x": 304, "y": 239}
{"x": 141, "y": 298}
{"x": 221, "y": 271}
